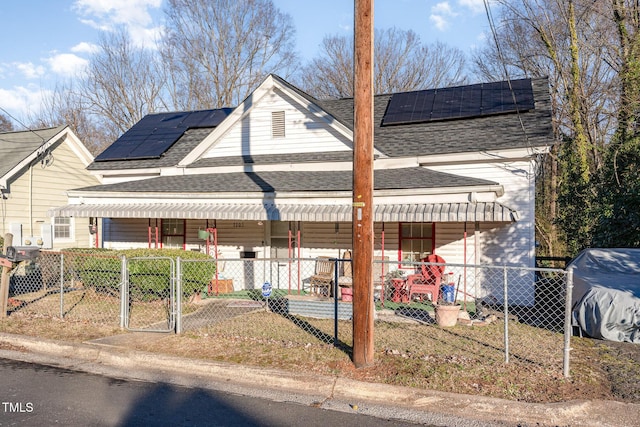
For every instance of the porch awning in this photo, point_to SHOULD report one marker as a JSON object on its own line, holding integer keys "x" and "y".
{"x": 421, "y": 212}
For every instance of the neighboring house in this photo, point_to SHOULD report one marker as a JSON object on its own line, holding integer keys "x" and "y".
{"x": 454, "y": 174}
{"x": 37, "y": 167}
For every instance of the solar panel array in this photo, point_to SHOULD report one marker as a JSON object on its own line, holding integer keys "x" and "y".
{"x": 154, "y": 134}
{"x": 459, "y": 102}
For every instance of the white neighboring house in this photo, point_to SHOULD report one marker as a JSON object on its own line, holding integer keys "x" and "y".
{"x": 454, "y": 175}
{"x": 37, "y": 167}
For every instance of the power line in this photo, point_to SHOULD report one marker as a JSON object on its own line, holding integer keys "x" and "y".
{"x": 22, "y": 124}
{"x": 505, "y": 70}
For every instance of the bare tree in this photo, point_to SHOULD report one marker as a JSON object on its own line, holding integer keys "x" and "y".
{"x": 402, "y": 63}
{"x": 6, "y": 125}
{"x": 64, "y": 106}
{"x": 571, "y": 42}
{"x": 535, "y": 38}
{"x": 626, "y": 16}
{"x": 619, "y": 196}
{"x": 218, "y": 51}
{"x": 123, "y": 83}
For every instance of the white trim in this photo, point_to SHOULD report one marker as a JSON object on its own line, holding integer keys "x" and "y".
{"x": 417, "y": 212}
{"x": 493, "y": 156}
{"x": 270, "y": 84}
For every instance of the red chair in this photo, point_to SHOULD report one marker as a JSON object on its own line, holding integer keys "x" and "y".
{"x": 427, "y": 282}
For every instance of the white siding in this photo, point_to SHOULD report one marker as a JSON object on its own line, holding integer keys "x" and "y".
{"x": 451, "y": 242}
{"x": 233, "y": 236}
{"x": 304, "y": 132}
{"x": 505, "y": 244}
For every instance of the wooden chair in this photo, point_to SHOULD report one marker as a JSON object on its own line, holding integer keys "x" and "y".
{"x": 320, "y": 282}
{"x": 428, "y": 281}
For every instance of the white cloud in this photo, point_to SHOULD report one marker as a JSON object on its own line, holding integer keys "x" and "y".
{"x": 476, "y": 6}
{"x": 439, "y": 22}
{"x": 29, "y": 70}
{"x": 127, "y": 12}
{"x": 135, "y": 15}
{"x": 22, "y": 101}
{"x": 67, "y": 64}
{"x": 147, "y": 37}
{"x": 85, "y": 47}
{"x": 441, "y": 14}
{"x": 443, "y": 8}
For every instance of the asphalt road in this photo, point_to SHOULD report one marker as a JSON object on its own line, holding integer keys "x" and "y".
{"x": 37, "y": 395}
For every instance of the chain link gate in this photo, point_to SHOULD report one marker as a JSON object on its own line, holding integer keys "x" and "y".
{"x": 148, "y": 301}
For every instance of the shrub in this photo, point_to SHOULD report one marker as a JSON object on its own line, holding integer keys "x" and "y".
{"x": 149, "y": 270}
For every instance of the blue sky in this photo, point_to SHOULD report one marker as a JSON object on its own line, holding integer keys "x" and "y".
{"x": 45, "y": 41}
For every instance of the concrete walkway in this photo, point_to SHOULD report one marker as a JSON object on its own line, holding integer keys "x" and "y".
{"x": 113, "y": 356}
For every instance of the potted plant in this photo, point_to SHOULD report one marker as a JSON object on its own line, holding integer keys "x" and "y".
{"x": 447, "y": 313}
{"x": 447, "y": 309}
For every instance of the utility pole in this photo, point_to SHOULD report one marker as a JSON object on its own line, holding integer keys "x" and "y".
{"x": 363, "y": 185}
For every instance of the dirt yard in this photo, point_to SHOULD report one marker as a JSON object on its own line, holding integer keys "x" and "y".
{"x": 461, "y": 359}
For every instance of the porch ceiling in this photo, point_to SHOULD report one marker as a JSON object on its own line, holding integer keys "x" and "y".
{"x": 422, "y": 212}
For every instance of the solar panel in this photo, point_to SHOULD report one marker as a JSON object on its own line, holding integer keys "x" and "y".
{"x": 154, "y": 134}
{"x": 459, "y": 102}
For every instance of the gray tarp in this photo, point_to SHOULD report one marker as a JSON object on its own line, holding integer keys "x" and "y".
{"x": 606, "y": 293}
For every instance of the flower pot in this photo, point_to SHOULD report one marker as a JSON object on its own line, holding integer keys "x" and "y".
{"x": 447, "y": 315}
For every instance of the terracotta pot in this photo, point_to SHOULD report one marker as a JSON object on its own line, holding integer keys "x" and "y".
{"x": 447, "y": 315}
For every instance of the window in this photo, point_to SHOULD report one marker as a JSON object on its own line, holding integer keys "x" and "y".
{"x": 173, "y": 233}
{"x": 277, "y": 124}
{"x": 416, "y": 240}
{"x": 61, "y": 228}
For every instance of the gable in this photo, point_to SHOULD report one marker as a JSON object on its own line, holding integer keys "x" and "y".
{"x": 277, "y": 125}
{"x": 19, "y": 150}
{"x": 16, "y": 147}
{"x": 62, "y": 156}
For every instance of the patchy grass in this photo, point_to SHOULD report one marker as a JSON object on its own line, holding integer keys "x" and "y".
{"x": 461, "y": 359}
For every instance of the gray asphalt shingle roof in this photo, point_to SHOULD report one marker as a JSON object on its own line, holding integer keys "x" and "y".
{"x": 17, "y": 146}
{"x": 290, "y": 181}
{"x": 528, "y": 129}
{"x": 502, "y": 131}
{"x": 267, "y": 159}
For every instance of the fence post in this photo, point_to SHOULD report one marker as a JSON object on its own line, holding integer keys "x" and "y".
{"x": 124, "y": 292}
{"x": 506, "y": 315}
{"x": 61, "y": 285}
{"x": 567, "y": 323}
{"x": 178, "y": 296}
{"x": 335, "y": 303}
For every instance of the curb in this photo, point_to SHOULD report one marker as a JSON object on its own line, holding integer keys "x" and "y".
{"x": 315, "y": 389}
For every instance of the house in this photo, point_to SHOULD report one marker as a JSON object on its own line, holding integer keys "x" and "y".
{"x": 454, "y": 174}
{"x": 37, "y": 167}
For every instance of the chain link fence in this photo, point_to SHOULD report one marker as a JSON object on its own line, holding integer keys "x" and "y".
{"x": 265, "y": 299}
{"x": 77, "y": 286}
{"x": 289, "y": 300}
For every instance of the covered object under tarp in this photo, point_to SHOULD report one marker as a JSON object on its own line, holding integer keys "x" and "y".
{"x": 606, "y": 293}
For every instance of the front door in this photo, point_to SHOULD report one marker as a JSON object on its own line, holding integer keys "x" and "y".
{"x": 283, "y": 250}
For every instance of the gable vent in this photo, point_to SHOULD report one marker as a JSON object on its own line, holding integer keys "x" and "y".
{"x": 277, "y": 124}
